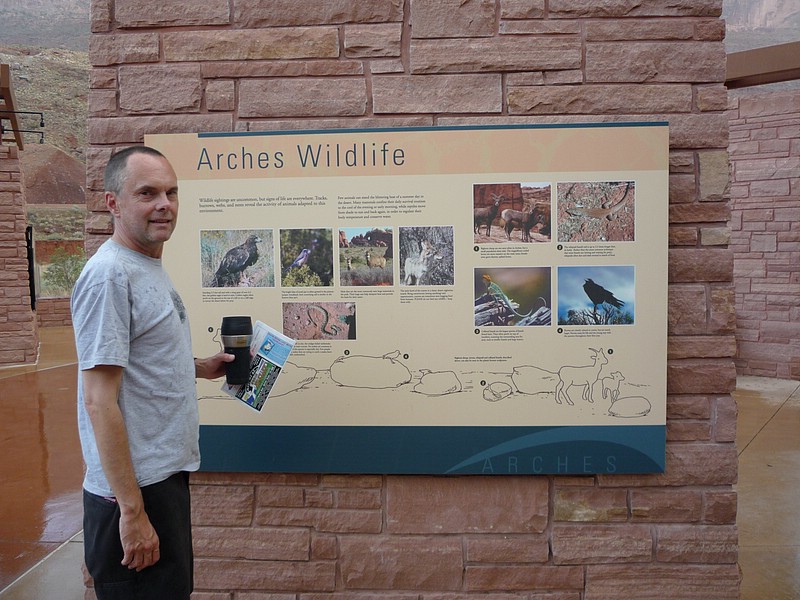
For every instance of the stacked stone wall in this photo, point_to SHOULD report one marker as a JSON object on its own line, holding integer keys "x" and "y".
{"x": 253, "y": 65}
{"x": 765, "y": 223}
{"x": 19, "y": 336}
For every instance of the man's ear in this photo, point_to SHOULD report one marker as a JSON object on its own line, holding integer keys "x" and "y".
{"x": 111, "y": 204}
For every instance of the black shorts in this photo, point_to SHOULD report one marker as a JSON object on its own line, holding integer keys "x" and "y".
{"x": 168, "y": 507}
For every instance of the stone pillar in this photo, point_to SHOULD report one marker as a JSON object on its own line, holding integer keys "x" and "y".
{"x": 19, "y": 335}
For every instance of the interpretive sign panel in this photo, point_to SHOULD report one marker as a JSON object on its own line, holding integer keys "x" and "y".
{"x": 464, "y": 299}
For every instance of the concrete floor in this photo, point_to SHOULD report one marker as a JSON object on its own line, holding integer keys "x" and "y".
{"x": 41, "y": 548}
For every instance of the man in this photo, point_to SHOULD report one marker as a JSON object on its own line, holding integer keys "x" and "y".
{"x": 137, "y": 407}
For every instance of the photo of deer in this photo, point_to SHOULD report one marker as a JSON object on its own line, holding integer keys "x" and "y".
{"x": 426, "y": 256}
{"x": 366, "y": 256}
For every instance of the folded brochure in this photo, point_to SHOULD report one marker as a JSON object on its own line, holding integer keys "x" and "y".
{"x": 269, "y": 350}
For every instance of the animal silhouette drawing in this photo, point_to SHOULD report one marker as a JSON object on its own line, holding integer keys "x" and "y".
{"x": 230, "y": 272}
{"x": 582, "y": 376}
{"x": 611, "y": 385}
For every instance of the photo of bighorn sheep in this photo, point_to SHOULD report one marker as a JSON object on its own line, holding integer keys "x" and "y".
{"x": 511, "y": 212}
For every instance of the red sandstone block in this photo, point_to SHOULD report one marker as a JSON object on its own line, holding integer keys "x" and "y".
{"x": 725, "y": 423}
{"x": 710, "y": 29}
{"x": 599, "y": 99}
{"x": 351, "y": 481}
{"x": 286, "y": 576}
{"x": 326, "y": 520}
{"x": 701, "y": 376}
{"x": 590, "y": 504}
{"x": 220, "y": 95}
{"x": 368, "y": 499}
{"x": 267, "y": 495}
{"x": 522, "y": 9}
{"x": 688, "y": 464}
{"x": 613, "y": 30}
{"x": 282, "y": 68}
{"x": 222, "y": 505}
{"x": 688, "y": 407}
{"x": 255, "y": 543}
{"x": 527, "y": 578}
{"x": 542, "y": 27}
{"x": 688, "y": 431}
{"x": 102, "y": 103}
{"x": 686, "y": 310}
{"x": 440, "y": 505}
{"x": 682, "y": 188}
{"x": 722, "y": 310}
{"x": 438, "y": 93}
{"x": 281, "y": 13}
{"x": 324, "y": 547}
{"x": 657, "y": 582}
{"x": 712, "y": 212}
{"x": 103, "y": 78}
{"x": 787, "y": 103}
{"x": 131, "y": 130}
{"x": 654, "y": 62}
{"x": 452, "y": 19}
{"x": 697, "y": 544}
{"x": 593, "y": 544}
{"x": 654, "y": 8}
{"x": 702, "y": 130}
{"x": 160, "y": 89}
{"x": 688, "y": 265}
{"x": 701, "y": 346}
{"x": 507, "y": 549}
{"x": 475, "y": 55}
{"x": 252, "y": 44}
{"x": 302, "y": 97}
{"x": 666, "y": 505}
{"x": 720, "y": 507}
{"x": 143, "y": 13}
{"x": 386, "y": 563}
{"x": 319, "y": 498}
{"x": 114, "y": 49}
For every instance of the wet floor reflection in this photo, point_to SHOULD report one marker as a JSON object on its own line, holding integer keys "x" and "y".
{"x": 40, "y": 464}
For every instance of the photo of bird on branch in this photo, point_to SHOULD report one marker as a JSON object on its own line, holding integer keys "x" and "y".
{"x": 306, "y": 257}
{"x": 596, "y": 295}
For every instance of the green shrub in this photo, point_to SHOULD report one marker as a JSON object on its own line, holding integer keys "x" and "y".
{"x": 59, "y": 277}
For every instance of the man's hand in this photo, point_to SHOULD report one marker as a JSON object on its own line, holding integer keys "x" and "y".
{"x": 140, "y": 542}
{"x": 213, "y": 366}
{"x": 101, "y": 390}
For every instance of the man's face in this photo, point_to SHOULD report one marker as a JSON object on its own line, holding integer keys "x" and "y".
{"x": 146, "y": 209}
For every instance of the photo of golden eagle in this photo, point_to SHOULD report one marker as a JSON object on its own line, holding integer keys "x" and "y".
{"x": 231, "y": 269}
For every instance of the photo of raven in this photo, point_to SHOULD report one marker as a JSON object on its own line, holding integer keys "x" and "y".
{"x": 598, "y": 295}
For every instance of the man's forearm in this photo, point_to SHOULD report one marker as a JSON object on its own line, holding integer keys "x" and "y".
{"x": 101, "y": 390}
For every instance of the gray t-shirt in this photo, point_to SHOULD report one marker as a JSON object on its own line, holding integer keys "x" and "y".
{"x": 126, "y": 312}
